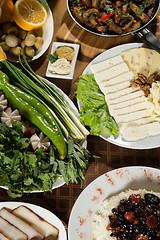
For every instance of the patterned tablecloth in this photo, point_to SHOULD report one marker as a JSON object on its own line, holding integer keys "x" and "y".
{"x": 61, "y": 200}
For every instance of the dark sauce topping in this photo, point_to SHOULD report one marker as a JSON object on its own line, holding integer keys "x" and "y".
{"x": 136, "y": 218}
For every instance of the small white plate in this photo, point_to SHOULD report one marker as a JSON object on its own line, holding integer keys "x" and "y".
{"x": 107, "y": 185}
{"x": 73, "y": 63}
{"x": 42, "y": 212}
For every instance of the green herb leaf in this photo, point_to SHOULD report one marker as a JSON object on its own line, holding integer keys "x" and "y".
{"x": 52, "y": 57}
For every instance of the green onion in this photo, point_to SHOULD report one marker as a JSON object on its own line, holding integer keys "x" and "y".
{"x": 29, "y": 82}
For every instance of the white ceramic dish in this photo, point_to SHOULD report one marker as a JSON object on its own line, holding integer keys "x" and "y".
{"x": 42, "y": 212}
{"x": 48, "y": 30}
{"x": 59, "y": 182}
{"x": 73, "y": 63}
{"x": 47, "y": 34}
{"x": 111, "y": 183}
{"x": 147, "y": 143}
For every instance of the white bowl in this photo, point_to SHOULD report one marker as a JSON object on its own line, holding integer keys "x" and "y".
{"x": 108, "y": 184}
{"x": 48, "y": 30}
{"x": 47, "y": 35}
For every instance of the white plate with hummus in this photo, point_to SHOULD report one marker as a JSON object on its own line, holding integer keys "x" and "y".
{"x": 107, "y": 185}
{"x": 42, "y": 212}
{"x": 153, "y": 139}
{"x": 64, "y": 65}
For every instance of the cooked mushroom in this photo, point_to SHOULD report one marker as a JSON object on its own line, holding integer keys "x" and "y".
{"x": 114, "y": 27}
{"x": 143, "y": 16}
{"x": 126, "y": 22}
{"x": 118, "y": 11}
{"x": 134, "y": 27}
{"x": 90, "y": 17}
{"x": 102, "y": 29}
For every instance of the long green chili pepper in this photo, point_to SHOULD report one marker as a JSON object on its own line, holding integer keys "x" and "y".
{"x": 35, "y": 112}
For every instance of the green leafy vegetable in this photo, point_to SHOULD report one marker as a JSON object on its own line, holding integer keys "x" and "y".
{"x": 109, "y": 8}
{"x": 52, "y": 57}
{"x": 23, "y": 170}
{"x": 94, "y": 112}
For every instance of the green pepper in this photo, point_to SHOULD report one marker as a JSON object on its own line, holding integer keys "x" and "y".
{"x": 35, "y": 112}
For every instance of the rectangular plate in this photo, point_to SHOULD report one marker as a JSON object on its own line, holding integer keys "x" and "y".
{"x": 73, "y": 63}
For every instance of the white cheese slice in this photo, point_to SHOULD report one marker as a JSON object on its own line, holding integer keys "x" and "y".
{"x": 129, "y": 109}
{"x": 127, "y": 76}
{"x": 116, "y": 87}
{"x": 111, "y": 72}
{"x": 128, "y": 102}
{"x": 155, "y": 64}
{"x": 98, "y": 67}
{"x": 146, "y": 56}
{"x": 119, "y": 94}
{"x": 132, "y": 58}
{"x": 132, "y": 116}
{"x": 124, "y": 98}
{"x": 134, "y": 133}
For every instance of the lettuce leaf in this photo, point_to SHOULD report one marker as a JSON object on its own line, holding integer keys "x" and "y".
{"x": 94, "y": 112}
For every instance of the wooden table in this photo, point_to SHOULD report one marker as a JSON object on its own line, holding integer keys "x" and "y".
{"x": 61, "y": 200}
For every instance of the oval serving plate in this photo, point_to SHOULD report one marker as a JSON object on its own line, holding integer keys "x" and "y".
{"x": 42, "y": 212}
{"x": 107, "y": 185}
{"x": 147, "y": 143}
{"x": 60, "y": 181}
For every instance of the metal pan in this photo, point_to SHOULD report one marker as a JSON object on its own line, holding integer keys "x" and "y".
{"x": 145, "y": 35}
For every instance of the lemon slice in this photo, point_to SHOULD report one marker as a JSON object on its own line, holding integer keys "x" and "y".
{"x": 29, "y": 14}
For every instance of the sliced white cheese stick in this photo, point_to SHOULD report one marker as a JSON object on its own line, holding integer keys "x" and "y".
{"x": 116, "y": 87}
{"x": 3, "y": 237}
{"x": 129, "y": 109}
{"x": 132, "y": 58}
{"x": 119, "y": 94}
{"x": 98, "y": 67}
{"x": 11, "y": 231}
{"x": 42, "y": 226}
{"x": 132, "y": 116}
{"x": 124, "y": 98}
{"x": 127, "y": 76}
{"x": 134, "y": 133}
{"x": 111, "y": 72}
{"x": 20, "y": 224}
{"x": 128, "y": 102}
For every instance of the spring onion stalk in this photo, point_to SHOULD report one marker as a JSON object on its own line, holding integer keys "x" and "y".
{"x": 53, "y": 93}
{"x": 31, "y": 83}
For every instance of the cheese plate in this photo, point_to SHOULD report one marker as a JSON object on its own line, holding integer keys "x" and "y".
{"x": 146, "y": 143}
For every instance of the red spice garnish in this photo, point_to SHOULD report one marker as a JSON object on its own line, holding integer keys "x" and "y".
{"x": 99, "y": 190}
{"x": 136, "y": 198}
{"x": 151, "y": 221}
{"x": 81, "y": 221}
{"x": 109, "y": 179}
{"x": 130, "y": 216}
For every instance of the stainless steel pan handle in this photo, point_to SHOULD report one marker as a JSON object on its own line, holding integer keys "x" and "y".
{"x": 149, "y": 38}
